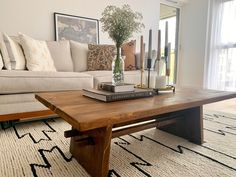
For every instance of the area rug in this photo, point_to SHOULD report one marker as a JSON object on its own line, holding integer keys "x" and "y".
{"x": 39, "y": 149}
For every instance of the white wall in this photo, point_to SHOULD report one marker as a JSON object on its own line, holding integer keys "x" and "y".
{"x": 193, "y": 43}
{"x": 35, "y": 17}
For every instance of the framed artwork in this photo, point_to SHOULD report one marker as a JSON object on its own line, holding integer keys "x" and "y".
{"x": 80, "y": 29}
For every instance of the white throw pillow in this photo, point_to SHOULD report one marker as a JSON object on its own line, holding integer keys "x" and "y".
{"x": 61, "y": 55}
{"x": 79, "y": 54}
{"x": 6, "y": 59}
{"x": 14, "y": 52}
{"x": 37, "y": 54}
{"x": 1, "y": 62}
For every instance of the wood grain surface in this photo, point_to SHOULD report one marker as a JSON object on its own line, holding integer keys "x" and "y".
{"x": 86, "y": 113}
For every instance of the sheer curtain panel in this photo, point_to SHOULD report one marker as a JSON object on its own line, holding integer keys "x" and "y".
{"x": 220, "y": 71}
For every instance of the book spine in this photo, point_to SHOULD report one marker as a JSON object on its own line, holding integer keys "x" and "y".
{"x": 129, "y": 96}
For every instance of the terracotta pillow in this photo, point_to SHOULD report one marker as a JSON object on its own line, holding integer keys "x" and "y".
{"x": 100, "y": 57}
{"x": 128, "y": 50}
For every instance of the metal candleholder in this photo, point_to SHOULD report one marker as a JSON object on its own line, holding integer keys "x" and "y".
{"x": 168, "y": 88}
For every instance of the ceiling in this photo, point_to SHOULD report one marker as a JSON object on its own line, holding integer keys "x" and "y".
{"x": 167, "y": 11}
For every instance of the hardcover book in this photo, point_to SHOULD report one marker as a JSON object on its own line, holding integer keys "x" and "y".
{"x": 108, "y": 86}
{"x": 110, "y": 96}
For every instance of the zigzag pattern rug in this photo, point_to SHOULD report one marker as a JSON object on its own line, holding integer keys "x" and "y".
{"x": 39, "y": 149}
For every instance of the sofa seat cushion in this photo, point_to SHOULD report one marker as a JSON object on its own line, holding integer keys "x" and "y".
{"x": 106, "y": 76}
{"x": 14, "y": 108}
{"x": 42, "y": 81}
{"x": 17, "y": 98}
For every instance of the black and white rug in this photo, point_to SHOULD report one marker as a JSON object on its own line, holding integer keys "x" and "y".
{"x": 39, "y": 149}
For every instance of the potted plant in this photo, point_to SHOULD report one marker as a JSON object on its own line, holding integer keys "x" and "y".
{"x": 120, "y": 23}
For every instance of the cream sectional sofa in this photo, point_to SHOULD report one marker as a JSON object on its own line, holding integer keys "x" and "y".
{"x": 18, "y": 87}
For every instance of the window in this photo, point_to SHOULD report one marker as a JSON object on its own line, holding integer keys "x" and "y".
{"x": 221, "y": 69}
{"x": 170, "y": 15}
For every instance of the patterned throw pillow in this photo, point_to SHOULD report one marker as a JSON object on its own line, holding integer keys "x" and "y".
{"x": 128, "y": 50}
{"x": 100, "y": 57}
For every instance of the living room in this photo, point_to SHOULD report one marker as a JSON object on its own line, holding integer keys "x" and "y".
{"x": 184, "y": 127}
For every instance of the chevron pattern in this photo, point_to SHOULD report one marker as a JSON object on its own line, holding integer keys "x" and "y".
{"x": 39, "y": 149}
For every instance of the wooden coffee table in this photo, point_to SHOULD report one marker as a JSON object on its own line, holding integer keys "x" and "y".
{"x": 94, "y": 122}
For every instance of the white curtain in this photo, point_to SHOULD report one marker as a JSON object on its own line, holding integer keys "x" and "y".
{"x": 220, "y": 73}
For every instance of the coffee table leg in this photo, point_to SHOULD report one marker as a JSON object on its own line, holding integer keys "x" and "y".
{"x": 189, "y": 127}
{"x": 94, "y": 154}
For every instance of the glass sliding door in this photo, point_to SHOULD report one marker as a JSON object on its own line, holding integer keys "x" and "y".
{"x": 171, "y": 15}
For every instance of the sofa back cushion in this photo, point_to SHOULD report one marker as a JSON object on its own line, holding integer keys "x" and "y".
{"x": 128, "y": 50}
{"x": 14, "y": 52}
{"x": 37, "y": 54}
{"x": 61, "y": 55}
{"x": 1, "y": 62}
{"x": 100, "y": 57}
{"x": 79, "y": 54}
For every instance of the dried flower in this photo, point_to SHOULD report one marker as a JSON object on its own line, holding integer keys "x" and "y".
{"x": 121, "y": 23}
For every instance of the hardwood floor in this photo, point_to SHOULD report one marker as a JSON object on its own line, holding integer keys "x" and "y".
{"x": 228, "y": 106}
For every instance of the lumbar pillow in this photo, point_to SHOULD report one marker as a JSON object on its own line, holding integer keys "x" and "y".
{"x": 37, "y": 54}
{"x": 128, "y": 50}
{"x": 14, "y": 52}
{"x": 61, "y": 55}
{"x": 100, "y": 57}
{"x": 79, "y": 54}
{"x": 1, "y": 62}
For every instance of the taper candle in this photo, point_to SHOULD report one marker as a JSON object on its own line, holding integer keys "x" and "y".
{"x": 141, "y": 53}
{"x": 166, "y": 42}
{"x": 159, "y": 45}
{"x": 150, "y": 44}
{"x": 169, "y": 55}
{"x": 166, "y": 34}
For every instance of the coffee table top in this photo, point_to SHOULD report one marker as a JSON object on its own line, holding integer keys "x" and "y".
{"x": 86, "y": 113}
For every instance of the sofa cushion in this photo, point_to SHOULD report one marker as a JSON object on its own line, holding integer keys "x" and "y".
{"x": 100, "y": 57}
{"x": 14, "y": 52}
{"x": 5, "y": 56}
{"x": 79, "y": 54}
{"x": 34, "y": 81}
{"x": 61, "y": 55}
{"x": 17, "y": 98}
{"x": 19, "y": 103}
{"x": 37, "y": 54}
{"x": 1, "y": 62}
{"x": 22, "y": 107}
{"x": 106, "y": 76}
{"x": 128, "y": 50}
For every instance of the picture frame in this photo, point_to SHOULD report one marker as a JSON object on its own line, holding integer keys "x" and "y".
{"x": 77, "y": 28}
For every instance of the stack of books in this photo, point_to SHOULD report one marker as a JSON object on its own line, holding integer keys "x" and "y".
{"x": 108, "y": 92}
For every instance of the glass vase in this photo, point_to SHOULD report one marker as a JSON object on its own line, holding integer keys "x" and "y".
{"x": 118, "y": 68}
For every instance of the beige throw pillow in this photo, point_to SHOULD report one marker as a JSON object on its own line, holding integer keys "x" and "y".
{"x": 1, "y": 62}
{"x": 5, "y": 56}
{"x": 100, "y": 57}
{"x": 61, "y": 55}
{"x": 14, "y": 52}
{"x": 37, "y": 54}
{"x": 79, "y": 53}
